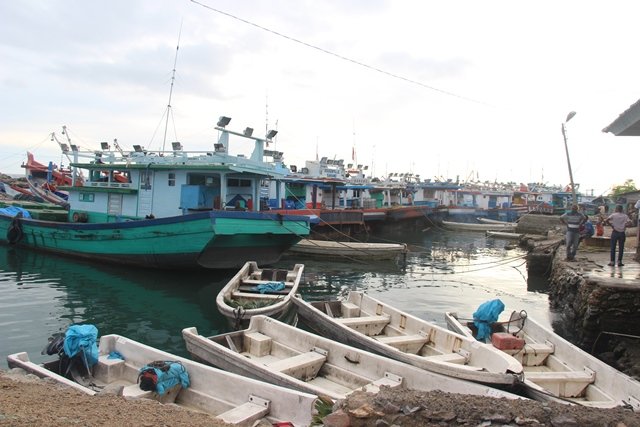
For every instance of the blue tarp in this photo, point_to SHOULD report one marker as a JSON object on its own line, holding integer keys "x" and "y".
{"x": 485, "y": 315}
{"x": 177, "y": 374}
{"x": 270, "y": 287}
{"x": 82, "y": 337}
{"x": 15, "y": 210}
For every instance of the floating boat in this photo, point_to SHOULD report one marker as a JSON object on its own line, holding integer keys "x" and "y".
{"x": 331, "y": 249}
{"x": 495, "y": 221}
{"x": 369, "y": 324}
{"x": 281, "y": 354}
{"x": 253, "y": 291}
{"x": 176, "y": 210}
{"x": 231, "y": 398}
{"x": 469, "y": 226}
{"x": 555, "y": 369}
{"x": 504, "y": 234}
{"x": 44, "y": 181}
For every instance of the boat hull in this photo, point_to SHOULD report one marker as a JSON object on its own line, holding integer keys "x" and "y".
{"x": 480, "y": 362}
{"x": 272, "y": 351}
{"x": 331, "y": 249}
{"x": 224, "y": 395}
{"x": 240, "y": 298}
{"x": 555, "y": 369}
{"x": 214, "y": 239}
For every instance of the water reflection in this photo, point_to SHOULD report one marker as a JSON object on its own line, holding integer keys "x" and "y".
{"x": 42, "y": 294}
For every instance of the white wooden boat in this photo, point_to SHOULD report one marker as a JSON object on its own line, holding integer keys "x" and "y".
{"x": 331, "y": 249}
{"x": 253, "y": 291}
{"x": 282, "y": 354}
{"x": 229, "y": 397}
{"x": 369, "y": 324}
{"x": 504, "y": 234}
{"x": 555, "y": 368}
{"x": 495, "y": 221}
{"x": 469, "y": 226}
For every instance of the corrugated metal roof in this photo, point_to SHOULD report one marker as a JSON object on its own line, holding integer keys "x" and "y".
{"x": 627, "y": 123}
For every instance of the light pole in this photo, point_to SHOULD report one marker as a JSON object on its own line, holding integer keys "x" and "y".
{"x": 566, "y": 149}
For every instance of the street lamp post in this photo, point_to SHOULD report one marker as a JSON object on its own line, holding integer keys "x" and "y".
{"x": 566, "y": 149}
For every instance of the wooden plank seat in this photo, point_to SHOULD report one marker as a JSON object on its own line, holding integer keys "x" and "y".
{"x": 533, "y": 354}
{"x": 249, "y": 295}
{"x": 405, "y": 343}
{"x": 563, "y": 383}
{"x": 134, "y": 391}
{"x": 448, "y": 358}
{"x": 368, "y": 325}
{"x": 257, "y": 282}
{"x": 390, "y": 380}
{"x": 247, "y": 413}
{"x": 303, "y": 366}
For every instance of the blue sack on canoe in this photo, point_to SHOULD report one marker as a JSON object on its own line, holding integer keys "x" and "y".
{"x": 82, "y": 338}
{"x": 485, "y": 315}
{"x": 160, "y": 376}
{"x": 14, "y": 211}
{"x": 265, "y": 288}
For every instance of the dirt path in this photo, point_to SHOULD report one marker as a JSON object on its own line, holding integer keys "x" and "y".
{"x": 28, "y": 401}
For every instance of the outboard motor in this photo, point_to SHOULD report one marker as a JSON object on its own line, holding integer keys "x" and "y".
{"x": 75, "y": 368}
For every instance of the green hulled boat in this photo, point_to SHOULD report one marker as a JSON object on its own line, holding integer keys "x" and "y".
{"x": 165, "y": 209}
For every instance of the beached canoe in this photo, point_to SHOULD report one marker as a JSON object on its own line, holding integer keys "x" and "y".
{"x": 357, "y": 250}
{"x": 278, "y": 353}
{"x": 229, "y": 397}
{"x": 253, "y": 291}
{"x": 469, "y": 226}
{"x": 504, "y": 234}
{"x": 555, "y": 368}
{"x": 370, "y": 324}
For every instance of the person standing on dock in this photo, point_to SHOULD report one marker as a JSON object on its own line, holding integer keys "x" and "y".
{"x": 573, "y": 220}
{"x": 619, "y": 221}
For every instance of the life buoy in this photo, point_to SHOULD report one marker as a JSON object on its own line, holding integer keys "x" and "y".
{"x": 76, "y": 217}
{"x": 14, "y": 232}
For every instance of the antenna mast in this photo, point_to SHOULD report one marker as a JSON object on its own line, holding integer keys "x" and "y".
{"x": 173, "y": 77}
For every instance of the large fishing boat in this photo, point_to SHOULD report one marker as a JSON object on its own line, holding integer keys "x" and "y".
{"x": 166, "y": 209}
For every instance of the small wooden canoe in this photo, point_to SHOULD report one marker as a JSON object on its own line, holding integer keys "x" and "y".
{"x": 468, "y": 226}
{"x": 253, "y": 291}
{"x": 555, "y": 368}
{"x": 495, "y": 221}
{"x": 331, "y": 249}
{"x": 229, "y": 397}
{"x": 367, "y": 323}
{"x": 504, "y": 235}
{"x": 281, "y": 354}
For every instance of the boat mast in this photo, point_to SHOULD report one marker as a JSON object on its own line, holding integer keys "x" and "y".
{"x": 173, "y": 77}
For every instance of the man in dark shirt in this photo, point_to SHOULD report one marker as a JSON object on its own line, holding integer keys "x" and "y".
{"x": 573, "y": 220}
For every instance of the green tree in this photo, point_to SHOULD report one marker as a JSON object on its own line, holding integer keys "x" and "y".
{"x": 628, "y": 185}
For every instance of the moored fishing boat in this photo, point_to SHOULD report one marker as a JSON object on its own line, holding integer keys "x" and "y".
{"x": 358, "y": 250}
{"x": 176, "y": 210}
{"x": 369, "y": 324}
{"x": 468, "y": 226}
{"x": 496, "y": 221}
{"x": 555, "y": 369}
{"x": 281, "y": 354}
{"x": 504, "y": 234}
{"x": 254, "y": 291}
{"x": 135, "y": 370}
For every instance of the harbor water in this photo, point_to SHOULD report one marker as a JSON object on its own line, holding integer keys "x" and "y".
{"x": 42, "y": 294}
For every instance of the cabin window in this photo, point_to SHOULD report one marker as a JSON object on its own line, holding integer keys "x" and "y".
{"x": 172, "y": 179}
{"x": 87, "y": 197}
{"x": 234, "y": 182}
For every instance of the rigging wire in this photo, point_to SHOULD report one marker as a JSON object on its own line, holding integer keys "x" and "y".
{"x": 342, "y": 57}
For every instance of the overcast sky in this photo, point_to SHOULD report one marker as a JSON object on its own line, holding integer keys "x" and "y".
{"x": 439, "y": 88}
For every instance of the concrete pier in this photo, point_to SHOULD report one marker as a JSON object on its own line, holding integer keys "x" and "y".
{"x": 594, "y": 298}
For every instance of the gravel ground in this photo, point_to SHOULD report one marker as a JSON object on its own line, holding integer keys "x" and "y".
{"x": 28, "y": 401}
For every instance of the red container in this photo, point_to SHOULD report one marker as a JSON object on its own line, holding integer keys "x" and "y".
{"x": 506, "y": 341}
